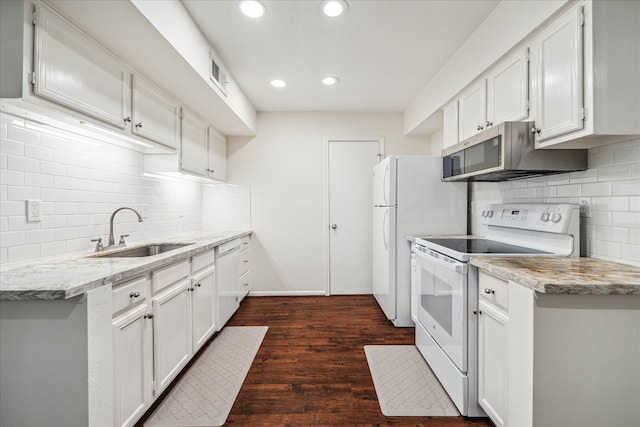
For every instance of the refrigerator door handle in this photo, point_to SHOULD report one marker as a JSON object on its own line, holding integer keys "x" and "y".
{"x": 385, "y": 185}
{"x": 385, "y": 229}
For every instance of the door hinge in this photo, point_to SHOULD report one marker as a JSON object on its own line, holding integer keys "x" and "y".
{"x": 528, "y": 55}
{"x": 582, "y": 18}
{"x": 34, "y": 16}
{"x": 583, "y": 114}
{"x": 380, "y": 156}
{"x": 527, "y": 105}
{"x": 153, "y": 386}
{"x": 31, "y": 77}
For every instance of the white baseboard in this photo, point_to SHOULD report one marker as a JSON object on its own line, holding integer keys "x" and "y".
{"x": 286, "y": 293}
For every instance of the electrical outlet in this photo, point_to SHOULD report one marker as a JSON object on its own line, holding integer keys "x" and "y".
{"x": 34, "y": 210}
{"x": 585, "y": 209}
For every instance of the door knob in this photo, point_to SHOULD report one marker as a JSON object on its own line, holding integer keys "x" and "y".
{"x": 334, "y": 226}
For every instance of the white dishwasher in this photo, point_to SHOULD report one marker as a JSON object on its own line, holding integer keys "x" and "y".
{"x": 227, "y": 259}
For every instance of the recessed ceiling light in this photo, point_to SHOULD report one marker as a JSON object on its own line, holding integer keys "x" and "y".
{"x": 333, "y": 8}
{"x": 330, "y": 80}
{"x": 252, "y": 8}
{"x": 278, "y": 83}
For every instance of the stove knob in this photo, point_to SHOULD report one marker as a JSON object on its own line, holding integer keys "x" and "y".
{"x": 490, "y": 214}
{"x": 484, "y": 214}
{"x": 556, "y": 217}
{"x": 545, "y": 217}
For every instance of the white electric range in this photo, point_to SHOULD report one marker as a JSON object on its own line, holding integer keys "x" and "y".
{"x": 445, "y": 292}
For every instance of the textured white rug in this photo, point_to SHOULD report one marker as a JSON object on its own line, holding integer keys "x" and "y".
{"x": 205, "y": 394}
{"x": 405, "y": 384}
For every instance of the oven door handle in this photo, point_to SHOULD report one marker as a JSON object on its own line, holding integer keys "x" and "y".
{"x": 440, "y": 260}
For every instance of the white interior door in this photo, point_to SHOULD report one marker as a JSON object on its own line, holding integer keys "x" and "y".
{"x": 351, "y": 165}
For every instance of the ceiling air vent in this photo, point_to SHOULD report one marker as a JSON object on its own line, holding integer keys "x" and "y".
{"x": 218, "y": 76}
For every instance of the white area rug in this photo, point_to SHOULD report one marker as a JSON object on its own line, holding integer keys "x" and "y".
{"x": 405, "y": 384}
{"x": 205, "y": 394}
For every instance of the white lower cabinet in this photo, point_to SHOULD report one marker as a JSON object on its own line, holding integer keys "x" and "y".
{"x": 203, "y": 303}
{"x": 132, "y": 364}
{"x": 492, "y": 348}
{"x": 171, "y": 333}
{"x": 244, "y": 267}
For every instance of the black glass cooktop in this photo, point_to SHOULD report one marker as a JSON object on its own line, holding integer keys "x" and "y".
{"x": 482, "y": 246}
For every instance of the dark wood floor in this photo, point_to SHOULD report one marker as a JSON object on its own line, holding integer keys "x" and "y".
{"x": 311, "y": 368}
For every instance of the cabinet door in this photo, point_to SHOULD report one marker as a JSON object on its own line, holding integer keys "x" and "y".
{"x": 450, "y": 128}
{"x": 559, "y": 78}
{"x": 155, "y": 115}
{"x": 492, "y": 362}
{"x": 75, "y": 71}
{"x": 203, "y": 303}
{"x": 132, "y": 364}
{"x": 193, "y": 148}
{"x": 508, "y": 89}
{"x": 217, "y": 155}
{"x": 171, "y": 333}
{"x": 472, "y": 110}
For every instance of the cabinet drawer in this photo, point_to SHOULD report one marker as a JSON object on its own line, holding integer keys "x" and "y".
{"x": 203, "y": 260}
{"x": 244, "y": 262}
{"x": 493, "y": 290}
{"x": 164, "y": 277}
{"x": 129, "y": 293}
{"x": 244, "y": 243}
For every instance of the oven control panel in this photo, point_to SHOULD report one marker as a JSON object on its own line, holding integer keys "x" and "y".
{"x": 552, "y": 218}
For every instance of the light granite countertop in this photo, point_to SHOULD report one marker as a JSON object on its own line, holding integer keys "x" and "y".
{"x": 562, "y": 275}
{"x": 73, "y": 275}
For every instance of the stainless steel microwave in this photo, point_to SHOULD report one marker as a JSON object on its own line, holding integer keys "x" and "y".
{"x": 505, "y": 152}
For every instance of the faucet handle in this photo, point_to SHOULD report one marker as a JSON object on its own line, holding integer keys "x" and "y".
{"x": 122, "y": 236}
{"x": 99, "y": 245}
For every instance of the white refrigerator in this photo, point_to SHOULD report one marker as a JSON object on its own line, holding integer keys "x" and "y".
{"x": 409, "y": 198}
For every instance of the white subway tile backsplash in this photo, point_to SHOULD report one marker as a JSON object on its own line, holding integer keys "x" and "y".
{"x": 17, "y": 133}
{"x": 568, "y": 190}
{"x": 596, "y": 189}
{"x": 9, "y": 177}
{"x": 38, "y": 180}
{"x": 49, "y": 249}
{"x": 611, "y": 188}
{"x": 38, "y": 152}
{"x": 629, "y": 187}
{"x": 39, "y": 236}
{"x": 12, "y": 238}
{"x": 22, "y": 164}
{"x": 22, "y": 193}
{"x": 22, "y": 253}
{"x": 52, "y": 168}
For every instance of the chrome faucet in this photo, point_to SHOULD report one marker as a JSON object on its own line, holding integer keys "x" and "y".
{"x": 112, "y": 240}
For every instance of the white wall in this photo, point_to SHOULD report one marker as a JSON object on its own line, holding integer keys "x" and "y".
{"x": 611, "y": 188}
{"x": 80, "y": 185}
{"x": 285, "y": 166}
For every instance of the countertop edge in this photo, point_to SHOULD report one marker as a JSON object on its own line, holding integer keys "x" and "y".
{"x": 125, "y": 273}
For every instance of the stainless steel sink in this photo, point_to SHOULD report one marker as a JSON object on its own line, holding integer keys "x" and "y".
{"x": 142, "y": 251}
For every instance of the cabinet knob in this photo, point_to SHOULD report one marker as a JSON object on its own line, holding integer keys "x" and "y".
{"x": 334, "y": 226}
{"x": 127, "y": 119}
{"x": 198, "y": 285}
{"x": 191, "y": 289}
{"x": 535, "y": 130}
{"x": 477, "y": 311}
{"x": 489, "y": 291}
{"x": 488, "y": 123}
{"x": 148, "y": 316}
{"x": 134, "y": 294}
{"x": 480, "y": 127}
{"x": 138, "y": 125}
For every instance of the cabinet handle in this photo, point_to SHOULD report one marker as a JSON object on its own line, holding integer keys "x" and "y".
{"x": 198, "y": 285}
{"x": 489, "y": 291}
{"x": 477, "y": 311}
{"x": 138, "y": 125}
{"x": 148, "y": 316}
{"x": 489, "y": 123}
{"x": 535, "y": 130}
{"x": 245, "y": 284}
{"x": 127, "y": 119}
{"x": 134, "y": 294}
{"x": 246, "y": 261}
{"x": 191, "y": 289}
{"x": 480, "y": 127}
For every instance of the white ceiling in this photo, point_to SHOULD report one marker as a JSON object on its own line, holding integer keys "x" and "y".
{"x": 383, "y": 51}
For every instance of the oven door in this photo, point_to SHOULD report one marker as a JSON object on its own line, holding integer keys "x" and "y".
{"x": 441, "y": 286}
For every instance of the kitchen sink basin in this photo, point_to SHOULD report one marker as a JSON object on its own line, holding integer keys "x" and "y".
{"x": 142, "y": 251}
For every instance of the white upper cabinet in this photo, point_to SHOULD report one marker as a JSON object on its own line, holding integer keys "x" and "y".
{"x": 217, "y": 155}
{"x": 450, "y": 130}
{"x": 73, "y": 70}
{"x": 585, "y": 66}
{"x": 155, "y": 115}
{"x": 472, "y": 110}
{"x": 194, "y": 144}
{"x": 508, "y": 89}
{"x": 559, "y": 78}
